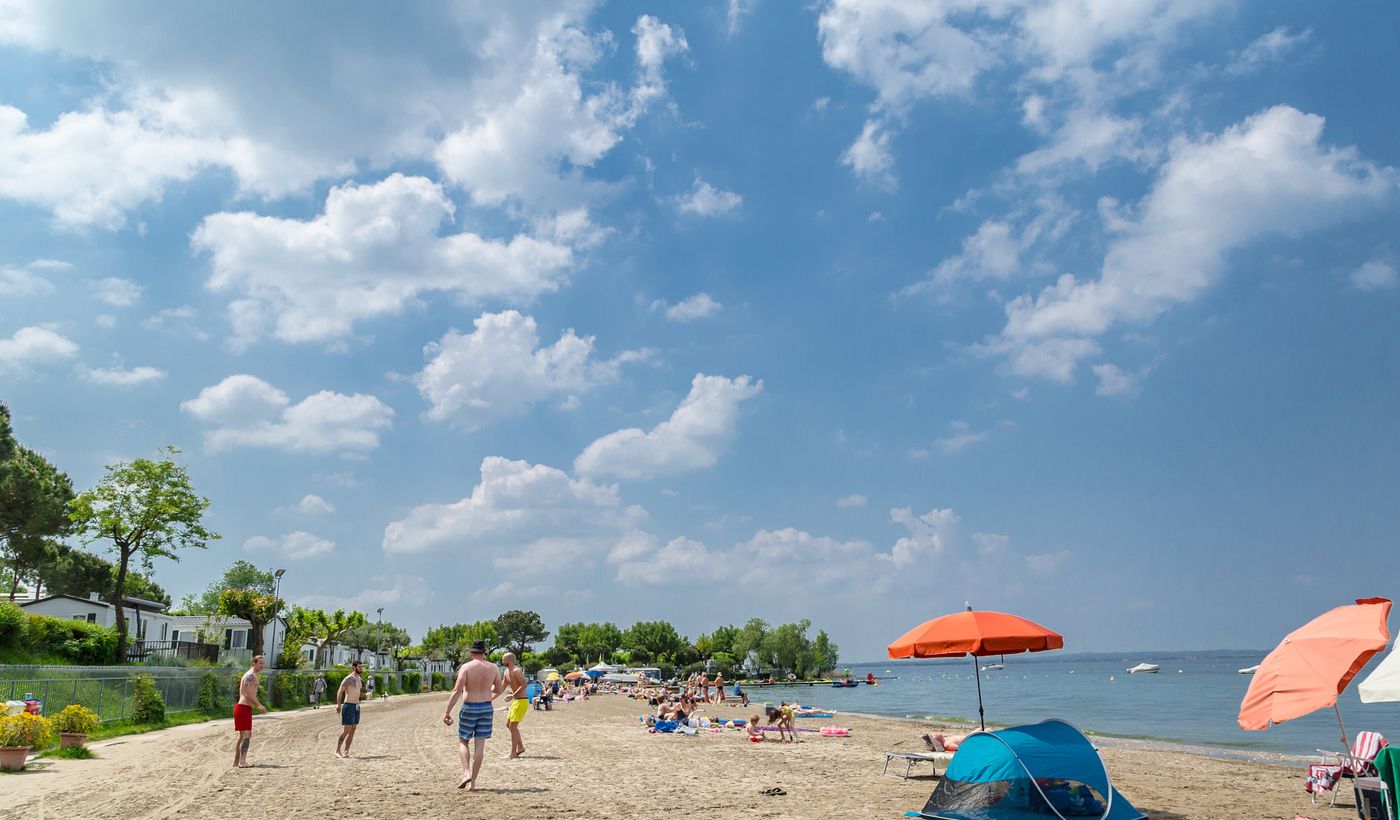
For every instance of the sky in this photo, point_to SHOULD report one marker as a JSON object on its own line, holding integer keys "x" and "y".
{"x": 854, "y": 310}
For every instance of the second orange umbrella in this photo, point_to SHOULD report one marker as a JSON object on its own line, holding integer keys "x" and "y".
{"x": 977, "y": 634}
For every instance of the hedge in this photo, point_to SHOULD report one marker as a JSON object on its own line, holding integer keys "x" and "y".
{"x": 440, "y": 682}
{"x": 412, "y": 681}
{"x": 77, "y": 641}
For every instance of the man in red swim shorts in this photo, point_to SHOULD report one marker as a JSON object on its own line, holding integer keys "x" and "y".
{"x": 243, "y": 712}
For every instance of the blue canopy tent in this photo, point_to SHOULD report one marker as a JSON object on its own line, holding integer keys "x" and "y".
{"x": 1047, "y": 769}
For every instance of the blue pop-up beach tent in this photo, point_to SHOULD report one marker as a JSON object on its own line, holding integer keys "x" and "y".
{"x": 1047, "y": 769}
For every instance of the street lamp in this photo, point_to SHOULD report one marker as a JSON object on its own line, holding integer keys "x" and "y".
{"x": 379, "y": 634}
{"x": 276, "y": 593}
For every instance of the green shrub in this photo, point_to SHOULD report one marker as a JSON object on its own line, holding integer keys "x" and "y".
{"x": 76, "y": 719}
{"x": 211, "y": 693}
{"x": 439, "y": 682}
{"x": 12, "y": 624}
{"x": 76, "y": 641}
{"x": 147, "y": 705}
{"x": 412, "y": 681}
{"x": 25, "y": 729}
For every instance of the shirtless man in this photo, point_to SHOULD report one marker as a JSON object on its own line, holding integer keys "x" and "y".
{"x": 519, "y": 704}
{"x": 477, "y": 686}
{"x": 243, "y": 712}
{"x": 347, "y": 705}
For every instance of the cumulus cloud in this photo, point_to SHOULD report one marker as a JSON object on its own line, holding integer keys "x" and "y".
{"x": 699, "y": 306}
{"x": 1375, "y": 275}
{"x": 294, "y": 545}
{"x": 181, "y": 321}
{"x": 1268, "y": 175}
{"x": 962, "y": 437}
{"x": 656, "y": 42}
{"x": 869, "y": 156}
{"x": 518, "y": 508}
{"x": 118, "y": 377}
{"x": 694, "y": 437}
{"x": 1114, "y": 381}
{"x": 312, "y": 504}
{"x": 373, "y": 250}
{"x": 116, "y": 291}
{"x": 825, "y": 561}
{"x": 1046, "y": 563}
{"x": 245, "y": 411}
{"x": 928, "y": 534}
{"x": 851, "y": 501}
{"x": 403, "y": 590}
{"x": 499, "y": 369}
{"x": 706, "y": 200}
{"x": 1266, "y": 49}
{"x": 33, "y": 346}
{"x": 990, "y": 544}
{"x": 28, "y": 280}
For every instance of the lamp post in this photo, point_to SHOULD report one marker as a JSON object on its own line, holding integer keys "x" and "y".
{"x": 276, "y": 593}
{"x": 379, "y": 635}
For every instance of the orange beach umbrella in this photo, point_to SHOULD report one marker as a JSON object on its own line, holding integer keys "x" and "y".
{"x": 1315, "y": 663}
{"x": 575, "y": 675}
{"x": 977, "y": 634}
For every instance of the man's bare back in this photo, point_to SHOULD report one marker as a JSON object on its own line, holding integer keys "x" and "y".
{"x": 481, "y": 681}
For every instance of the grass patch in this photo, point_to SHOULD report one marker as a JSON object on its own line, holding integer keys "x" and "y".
{"x": 117, "y": 728}
{"x": 13, "y": 655}
{"x": 71, "y": 753}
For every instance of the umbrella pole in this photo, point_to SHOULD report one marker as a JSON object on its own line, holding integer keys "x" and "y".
{"x": 1346, "y": 744}
{"x": 981, "y": 716}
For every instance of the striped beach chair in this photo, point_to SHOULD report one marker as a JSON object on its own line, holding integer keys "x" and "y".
{"x": 1360, "y": 762}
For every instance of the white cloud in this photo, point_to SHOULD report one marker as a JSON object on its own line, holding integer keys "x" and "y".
{"x": 1267, "y": 175}
{"x": 405, "y": 590}
{"x": 825, "y": 561}
{"x": 117, "y": 377}
{"x": 851, "y": 501}
{"x": 962, "y": 437}
{"x": 869, "y": 156}
{"x": 25, "y": 280}
{"x": 499, "y": 369}
{"x": 116, "y": 291}
{"x": 372, "y": 251}
{"x": 680, "y": 558}
{"x": 699, "y": 306}
{"x": 294, "y": 545}
{"x": 32, "y": 346}
{"x": 735, "y": 12}
{"x": 694, "y": 437}
{"x": 1090, "y": 137}
{"x": 246, "y": 411}
{"x": 511, "y": 591}
{"x": 1266, "y": 49}
{"x": 927, "y": 535}
{"x": 656, "y": 42}
{"x": 312, "y": 504}
{"x": 1116, "y": 382}
{"x": 1046, "y": 563}
{"x": 706, "y": 200}
{"x": 990, "y": 544}
{"x": 1375, "y": 275}
{"x": 998, "y": 249}
{"x": 180, "y": 321}
{"x": 518, "y": 507}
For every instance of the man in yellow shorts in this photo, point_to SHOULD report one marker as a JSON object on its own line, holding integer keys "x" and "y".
{"x": 519, "y": 704}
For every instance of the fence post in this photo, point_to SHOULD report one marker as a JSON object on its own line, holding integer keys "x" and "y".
{"x": 75, "y": 691}
{"x": 100, "y": 689}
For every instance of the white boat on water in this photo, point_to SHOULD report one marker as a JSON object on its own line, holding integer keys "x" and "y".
{"x": 1250, "y": 670}
{"x": 992, "y": 667}
{"x": 1144, "y": 667}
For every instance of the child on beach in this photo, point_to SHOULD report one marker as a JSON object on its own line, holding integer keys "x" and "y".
{"x": 753, "y": 731}
{"x": 782, "y": 717}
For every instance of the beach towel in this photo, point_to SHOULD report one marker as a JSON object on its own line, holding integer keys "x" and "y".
{"x": 666, "y": 726}
{"x": 1323, "y": 777}
{"x": 1388, "y": 769}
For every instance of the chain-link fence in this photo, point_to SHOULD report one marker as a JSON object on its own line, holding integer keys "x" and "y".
{"x": 107, "y": 689}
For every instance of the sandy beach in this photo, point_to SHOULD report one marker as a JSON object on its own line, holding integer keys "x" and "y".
{"x": 584, "y": 759}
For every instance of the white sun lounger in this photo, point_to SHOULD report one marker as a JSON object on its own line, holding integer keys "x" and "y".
{"x": 910, "y": 758}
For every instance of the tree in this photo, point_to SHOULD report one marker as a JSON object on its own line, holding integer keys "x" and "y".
{"x": 148, "y": 509}
{"x": 300, "y": 623}
{"x": 78, "y": 572}
{"x": 655, "y": 641}
{"x": 256, "y": 608}
{"x": 453, "y": 641}
{"x": 825, "y": 654}
{"x": 360, "y": 639}
{"x": 748, "y": 640}
{"x": 391, "y": 639}
{"x": 329, "y": 628}
{"x": 240, "y": 575}
{"x": 34, "y": 496}
{"x": 787, "y": 647}
{"x": 518, "y": 629}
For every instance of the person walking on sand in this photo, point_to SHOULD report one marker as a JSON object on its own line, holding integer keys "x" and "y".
{"x": 243, "y": 712}
{"x": 519, "y": 704}
{"x": 318, "y": 690}
{"x": 347, "y": 705}
{"x": 719, "y": 688}
{"x": 477, "y": 686}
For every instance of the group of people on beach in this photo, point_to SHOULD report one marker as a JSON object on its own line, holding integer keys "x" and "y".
{"x": 477, "y": 686}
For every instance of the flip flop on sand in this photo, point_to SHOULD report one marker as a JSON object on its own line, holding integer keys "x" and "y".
{"x": 464, "y": 783}
{"x": 775, "y": 791}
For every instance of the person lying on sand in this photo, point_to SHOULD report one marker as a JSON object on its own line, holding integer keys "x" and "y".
{"x": 938, "y": 742}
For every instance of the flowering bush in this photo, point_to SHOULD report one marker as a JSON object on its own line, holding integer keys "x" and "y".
{"x": 25, "y": 729}
{"x": 77, "y": 720}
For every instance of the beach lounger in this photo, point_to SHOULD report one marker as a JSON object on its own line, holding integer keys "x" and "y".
{"x": 910, "y": 758}
{"x": 1325, "y": 775}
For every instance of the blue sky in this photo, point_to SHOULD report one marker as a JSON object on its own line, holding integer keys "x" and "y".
{"x": 852, "y": 311}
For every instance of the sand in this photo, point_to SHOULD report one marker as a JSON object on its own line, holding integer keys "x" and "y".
{"x": 586, "y": 759}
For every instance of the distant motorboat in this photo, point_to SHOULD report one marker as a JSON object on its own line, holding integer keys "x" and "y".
{"x": 991, "y": 667}
{"x": 1145, "y": 667}
{"x": 845, "y": 684}
{"x": 1250, "y": 670}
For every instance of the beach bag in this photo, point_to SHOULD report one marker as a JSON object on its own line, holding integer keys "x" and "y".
{"x": 666, "y": 726}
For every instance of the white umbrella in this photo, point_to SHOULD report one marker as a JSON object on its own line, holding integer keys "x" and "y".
{"x": 1384, "y": 681}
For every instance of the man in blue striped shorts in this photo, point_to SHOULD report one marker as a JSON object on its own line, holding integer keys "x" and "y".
{"x": 478, "y": 685}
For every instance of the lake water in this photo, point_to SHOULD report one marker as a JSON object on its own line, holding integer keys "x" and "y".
{"x": 1194, "y": 699}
